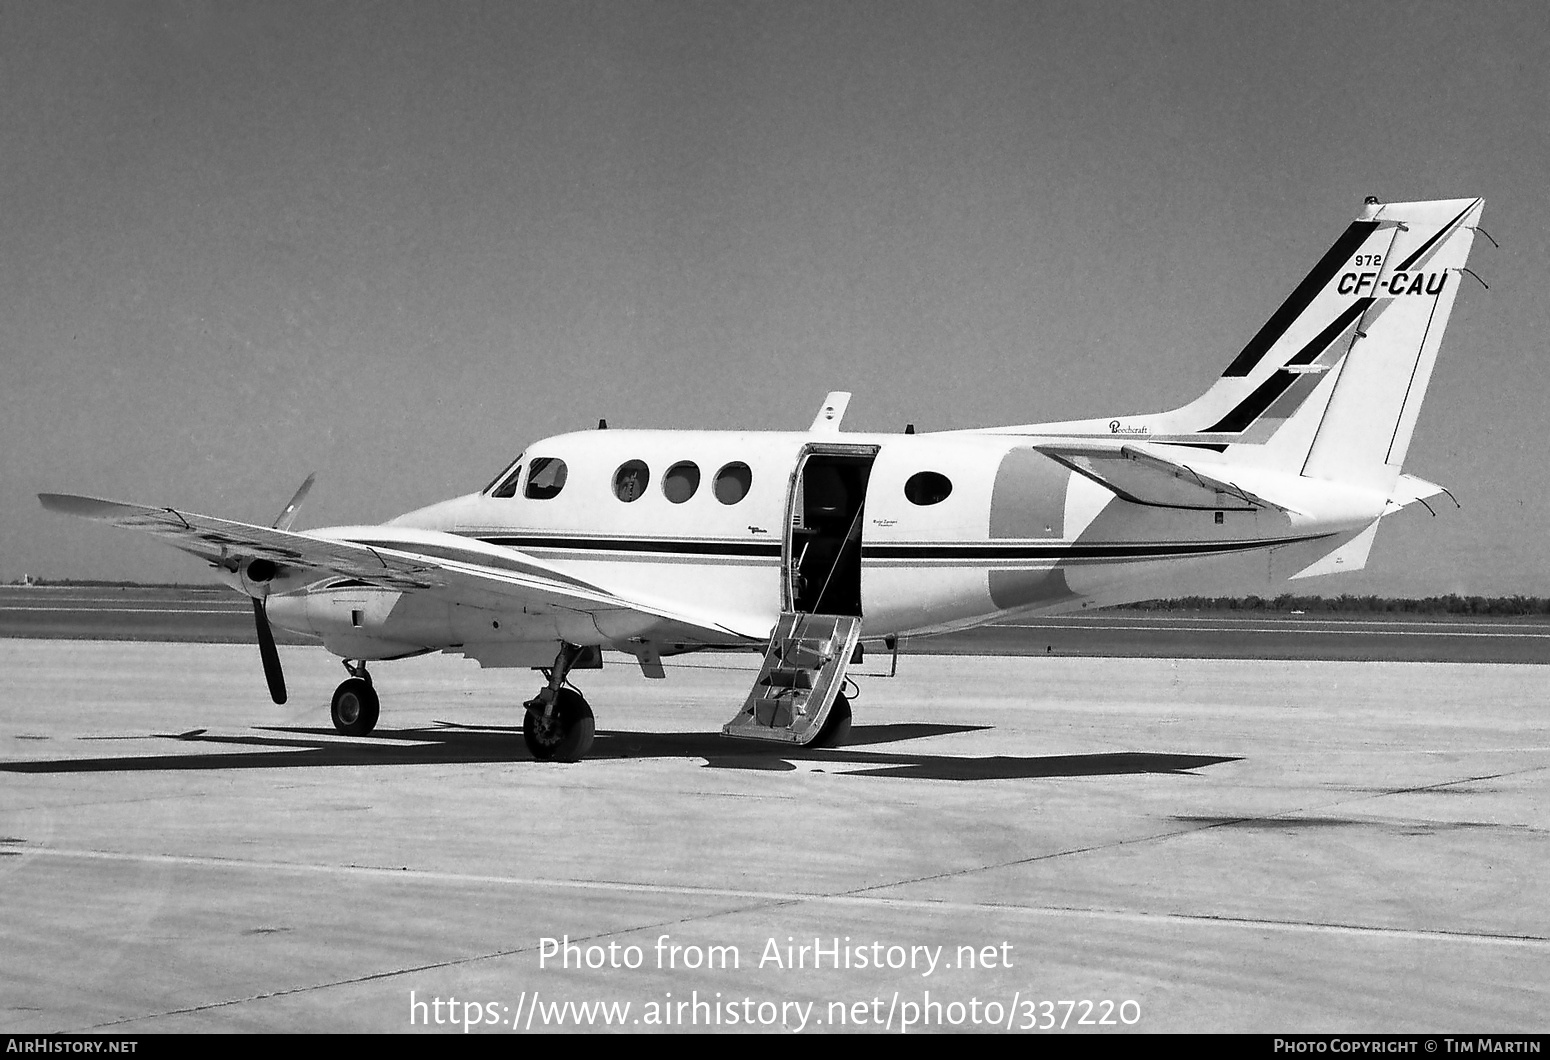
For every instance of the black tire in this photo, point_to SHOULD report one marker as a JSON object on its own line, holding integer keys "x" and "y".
{"x": 836, "y": 727}
{"x": 355, "y": 707}
{"x": 566, "y": 736}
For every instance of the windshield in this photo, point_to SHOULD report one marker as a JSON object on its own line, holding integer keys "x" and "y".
{"x": 507, "y": 470}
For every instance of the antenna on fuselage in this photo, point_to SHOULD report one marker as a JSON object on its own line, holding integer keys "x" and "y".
{"x": 831, "y": 413}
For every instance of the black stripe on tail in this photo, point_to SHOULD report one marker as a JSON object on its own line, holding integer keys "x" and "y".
{"x": 1300, "y": 299}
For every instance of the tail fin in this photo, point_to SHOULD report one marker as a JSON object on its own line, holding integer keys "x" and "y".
{"x": 1331, "y": 386}
{"x": 1366, "y": 428}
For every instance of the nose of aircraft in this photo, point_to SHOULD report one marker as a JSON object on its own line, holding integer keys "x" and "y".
{"x": 443, "y": 515}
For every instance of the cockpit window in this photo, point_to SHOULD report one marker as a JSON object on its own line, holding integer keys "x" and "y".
{"x": 733, "y": 482}
{"x": 514, "y": 468}
{"x": 508, "y": 488}
{"x": 631, "y": 479}
{"x": 545, "y": 478}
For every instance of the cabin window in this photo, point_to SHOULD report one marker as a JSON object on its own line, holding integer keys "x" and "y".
{"x": 732, "y": 482}
{"x": 508, "y": 488}
{"x": 545, "y": 478}
{"x": 927, "y": 487}
{"x": 631, "y": 479}
{"x": 681, "y": 481}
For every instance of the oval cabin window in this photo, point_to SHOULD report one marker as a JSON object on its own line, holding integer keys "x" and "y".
{"x": 631, "y": 479}
{"x": 545, "y": 478}
{"x": 733, "y": 482}
{"x": 681, "y": 481}
{"x": 927, "y": 487}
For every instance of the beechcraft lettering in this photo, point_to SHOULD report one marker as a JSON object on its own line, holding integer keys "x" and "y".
{"x": 806, "y": 546}
{"x": 1401, "y": 283}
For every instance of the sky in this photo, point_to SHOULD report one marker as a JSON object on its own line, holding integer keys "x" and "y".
{"x": 395, "y": 243}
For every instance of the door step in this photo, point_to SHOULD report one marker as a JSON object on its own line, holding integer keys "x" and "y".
{"x": 802, "y": 674}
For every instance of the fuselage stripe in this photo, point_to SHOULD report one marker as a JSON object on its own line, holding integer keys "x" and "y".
{"x": 997, "y": 551}
{"x": 988, "y": 550}
{"x": 606, "y": 544}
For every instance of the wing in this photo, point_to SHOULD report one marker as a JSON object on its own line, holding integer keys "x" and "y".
{"x": 409, "y": 560}
{"x": 1147, "y": 476}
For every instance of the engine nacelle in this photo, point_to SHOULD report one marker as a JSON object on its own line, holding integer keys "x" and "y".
{"x": 259, "y": 578}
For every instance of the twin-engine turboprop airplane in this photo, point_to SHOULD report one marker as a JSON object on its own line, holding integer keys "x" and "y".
{"x": 803, "y": 544}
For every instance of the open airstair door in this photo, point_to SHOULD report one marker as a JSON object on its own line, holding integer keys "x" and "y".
{"x": 820, "y": 622}
{"x": 801, "y": 677}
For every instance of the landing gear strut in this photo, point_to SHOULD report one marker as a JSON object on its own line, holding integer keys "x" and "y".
{"x": 355, "y": 707}
{"x": 559, "y": 725}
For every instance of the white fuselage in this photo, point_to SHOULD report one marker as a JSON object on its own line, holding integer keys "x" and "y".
{"x": 1016, "y": 532}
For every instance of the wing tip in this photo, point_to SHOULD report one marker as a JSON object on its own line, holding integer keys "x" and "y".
{"x": 68, "y": 503}
{"x": 88, "y": 507}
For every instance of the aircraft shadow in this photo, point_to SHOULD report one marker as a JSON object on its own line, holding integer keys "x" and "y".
{"x": 446, "y": 743}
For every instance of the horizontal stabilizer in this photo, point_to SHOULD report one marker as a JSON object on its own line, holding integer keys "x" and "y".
{"x": 1145, "y": 475}
{"x": 1410, "y": 489}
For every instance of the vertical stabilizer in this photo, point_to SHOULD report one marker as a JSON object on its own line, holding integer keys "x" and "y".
{"x": 1407, "y": 297}
{"x": 1330, "y": 386}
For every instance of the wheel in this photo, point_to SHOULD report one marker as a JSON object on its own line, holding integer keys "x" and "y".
{"x": 566, "y": 735}
{"x": 836, "y": 727}
{"x": 355, "y": 707}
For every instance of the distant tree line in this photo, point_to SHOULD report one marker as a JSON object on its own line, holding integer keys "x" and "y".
{"x": 1452, "y": 604}
{"x": 99, "y": 583}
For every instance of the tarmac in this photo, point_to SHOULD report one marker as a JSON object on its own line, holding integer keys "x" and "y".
{"x": 215, "y": 615}
{"x": 1026, "y": 844}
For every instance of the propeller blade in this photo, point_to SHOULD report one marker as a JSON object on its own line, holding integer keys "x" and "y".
{"x": 287, "y": 514}
{"x": 269, "y": 653}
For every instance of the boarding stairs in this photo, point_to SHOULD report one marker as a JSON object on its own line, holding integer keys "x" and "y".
{"x": 803, "y": 671}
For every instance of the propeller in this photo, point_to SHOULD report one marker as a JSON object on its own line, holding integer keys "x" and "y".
{"x": 270, "y": 655}
{"x": 287, "y": 514}
{"x": 266, "y": 648}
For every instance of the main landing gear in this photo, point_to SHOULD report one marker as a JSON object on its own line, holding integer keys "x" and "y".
{"x": 836, "y": 727}
{"x": 355, "y": 707}
{"x": 559, "y": 725}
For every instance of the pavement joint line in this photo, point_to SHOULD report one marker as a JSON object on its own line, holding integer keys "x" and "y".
{"x": 858, "y": 897}
{"x": 1225, "y": 823}
{"x": 1372, "y": 795}
{"x": 1333, "y": 625}
{"x": 451, "y": 962}
{"x": 132, "y": 610}
{"x": 1276, "y": 629}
